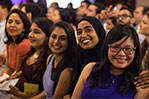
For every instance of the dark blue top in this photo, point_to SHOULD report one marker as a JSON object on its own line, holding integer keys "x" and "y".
{"x": 110, "y": 92}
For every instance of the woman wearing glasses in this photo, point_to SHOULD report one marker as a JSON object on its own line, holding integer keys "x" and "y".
{"x": 119, "y": 64}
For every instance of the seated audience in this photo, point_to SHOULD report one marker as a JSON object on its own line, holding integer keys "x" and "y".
{"x": 119, "y": 63}
{"x": 18, "y": 45}
{"x": 59, "y": 72}
{"x": 34, "y": 64}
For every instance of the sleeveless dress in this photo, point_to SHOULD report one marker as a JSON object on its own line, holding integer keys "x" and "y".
{"x": 48, "y": 82}
{"x": 104, "y": 93}
{"x": 51, "y": 77}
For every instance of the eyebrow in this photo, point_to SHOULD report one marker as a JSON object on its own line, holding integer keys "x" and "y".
{"x": 84, "y": 28}
{"x": 124, "y": 46}
{"x": 87, "y": 27}
{"x": 15, "y": 19}
{"x": 59, "y": 35}
{"x": 36, "y": 30}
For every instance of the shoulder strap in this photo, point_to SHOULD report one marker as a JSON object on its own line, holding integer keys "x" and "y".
{"x": 50, "y": 58}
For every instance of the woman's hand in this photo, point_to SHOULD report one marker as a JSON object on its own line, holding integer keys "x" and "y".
{"x": 13, "y": 76}
{"x": 14, "y": 90}
{"x": 142, "y": 80}
{"x": 3, "y": 57}
{"x": 68, "y": 96}
{"x": 142, "y": 93}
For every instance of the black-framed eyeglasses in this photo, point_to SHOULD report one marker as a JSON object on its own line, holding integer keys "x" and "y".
{"x": 124, "y": 16}
{"x": 117, "y": 49}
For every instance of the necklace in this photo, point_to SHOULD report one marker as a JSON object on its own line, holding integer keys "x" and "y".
{"x": 114, "y": 79}
{"x": 35, "y": 55}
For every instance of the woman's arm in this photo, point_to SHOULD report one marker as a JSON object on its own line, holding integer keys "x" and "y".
{"x": 3, "y": 57}
{"x": 142, "y": 93}
{"x": 82, "y": 80}
{"x": 15, "y": 91}
{"x": 39, "y": 96}
{"x": 63, "y": 83}
{"x": 7, "y": 70}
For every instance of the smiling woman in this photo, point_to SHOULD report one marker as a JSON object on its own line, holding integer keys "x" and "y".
{"x": 17, "y": 29}
{"x": 59, "y": 72}
{"x": 90, "y": 35}
{"x": 34, "y": 64}
{"x": 114, "y": 76}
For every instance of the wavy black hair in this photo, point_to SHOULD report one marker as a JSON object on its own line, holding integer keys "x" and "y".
{"x": 26, "y": 24}
{"x": 101, "y": 73}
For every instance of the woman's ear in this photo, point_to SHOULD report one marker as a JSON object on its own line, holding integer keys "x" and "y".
{"x": 29, "y": 15}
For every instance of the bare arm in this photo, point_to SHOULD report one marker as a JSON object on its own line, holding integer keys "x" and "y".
{"x": 82, "y": 80}
{"x": 7, "y": 69}
{"x": 15, "y": 91}
{"x": 142, "y": 93}
{"x": 63, "y": 83}
{"x": 3, "y": 57}
{"x": 39, "y": 96}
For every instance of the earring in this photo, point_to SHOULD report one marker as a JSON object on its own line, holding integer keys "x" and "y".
{"x": 23, "y": 30}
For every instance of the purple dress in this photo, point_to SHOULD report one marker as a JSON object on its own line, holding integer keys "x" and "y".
{"x": 48, "y": 82}
{"x": 104, "y": 93}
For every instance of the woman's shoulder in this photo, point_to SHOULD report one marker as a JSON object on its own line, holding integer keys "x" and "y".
{"x": 49, "y": 57}
{"x": 89, "y": 66}
{"x": 87, "y": 70}
{"x": 68, "y": 70}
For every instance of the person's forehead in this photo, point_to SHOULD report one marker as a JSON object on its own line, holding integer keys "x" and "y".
{"x": 125, "y": 11}
{"x": 92, "y": 6}
{"x": 140, "y": 8}
{"x": 84, "y": 4}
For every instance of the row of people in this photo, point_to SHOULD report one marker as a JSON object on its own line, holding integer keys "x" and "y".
{"x": 62, "y": 63}
{"x": 86, "y": 41}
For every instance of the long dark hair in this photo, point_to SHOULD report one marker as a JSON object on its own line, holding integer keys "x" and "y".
{"x": 101, "y": 73}
{"x": 70, "y": 55}
{"x": 26, "y": 24}
{"x": 39, "y": 67}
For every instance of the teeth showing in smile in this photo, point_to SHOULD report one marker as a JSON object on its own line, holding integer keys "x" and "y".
{"x": 121, "y": 60}
{"x": 85, "y": 41}
{"x": 57, "y": 47}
